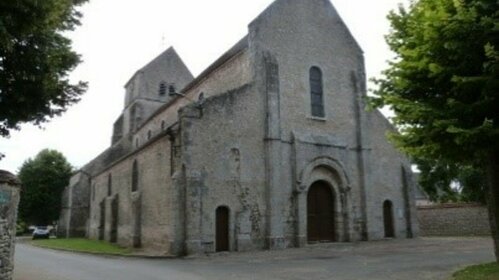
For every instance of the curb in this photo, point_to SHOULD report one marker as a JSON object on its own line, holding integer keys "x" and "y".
{"x": 99, "y": 254}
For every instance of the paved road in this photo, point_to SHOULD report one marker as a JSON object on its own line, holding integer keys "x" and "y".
{"x": 383, "y": 260}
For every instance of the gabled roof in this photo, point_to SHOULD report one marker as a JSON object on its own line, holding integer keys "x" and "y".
{"x": 274, "y": 6}
{"x": 236, "y": 49}
{"x": 240, "y": 46}
{"x": 169, "y": 53}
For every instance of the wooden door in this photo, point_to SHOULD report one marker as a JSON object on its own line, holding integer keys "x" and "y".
{"x": 222, "y": 229}
{"x": 320, "y": 213}
{"x": 388, "y": 219}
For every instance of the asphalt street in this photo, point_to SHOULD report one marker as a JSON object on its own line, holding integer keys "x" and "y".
{"x": 419, "y": 259}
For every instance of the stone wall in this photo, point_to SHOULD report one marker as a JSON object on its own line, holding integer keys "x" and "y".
{"x": 150, "y": 204}
{"x": 295, "y": 36}
{"x": 252, "y": 146}
{"x": 74, "y": 207}
{"x": 9, "y": 200}
{"x": 453, "y": 220}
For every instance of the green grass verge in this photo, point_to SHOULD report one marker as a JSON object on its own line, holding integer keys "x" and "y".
{"x": 479, "y": 272}
{"x": 82, "y": 245}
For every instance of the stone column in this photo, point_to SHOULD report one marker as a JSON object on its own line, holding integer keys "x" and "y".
{"x": 359, "y": 85}
{"x": 301, "y": 217}
{"x": 10, "y": 192}
{"x": 193, "y": 213}
{"x": 273, "y": 155}
{"x": 137, "y": 219}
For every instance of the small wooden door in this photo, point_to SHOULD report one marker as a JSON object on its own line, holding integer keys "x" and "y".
{"x": 222, "y": 229}
{"x": 388, "y": 219}
{"x": 320, "y": 213}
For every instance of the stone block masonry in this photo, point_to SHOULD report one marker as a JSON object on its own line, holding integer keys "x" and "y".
{"x": 9, "y": 200}
{"x": 454, "y": 220}
{"x": 234, "y": 161}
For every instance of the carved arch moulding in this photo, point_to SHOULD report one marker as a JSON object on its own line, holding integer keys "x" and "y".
{"x": 334, "y": 166}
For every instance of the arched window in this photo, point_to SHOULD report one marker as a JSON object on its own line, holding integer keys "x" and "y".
{"x": 201, "y": 97}
{"x": 162, "y": 88}
{"x": 109, "y": 185}
{"x": 135, "y": 176}
{"x": 171, "y": 89}
{"x": 149, "y": 134}
{"x": 162, "y": 125}
{"x": 316, "y": 92}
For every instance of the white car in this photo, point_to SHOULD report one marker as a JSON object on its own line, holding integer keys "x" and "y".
{"x": 42, "y": 232}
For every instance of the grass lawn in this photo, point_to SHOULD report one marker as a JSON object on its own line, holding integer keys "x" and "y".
{"x": 479, "y": 272}
{"x": 82, "y": 245}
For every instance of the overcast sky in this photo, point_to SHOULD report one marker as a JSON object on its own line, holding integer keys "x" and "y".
{"x": 118, "y": 37}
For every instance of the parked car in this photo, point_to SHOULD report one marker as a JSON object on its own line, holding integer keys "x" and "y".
{"x": 41, "y": 232}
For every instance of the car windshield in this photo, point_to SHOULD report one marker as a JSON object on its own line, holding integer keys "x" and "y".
{"x": 42, "y": 227}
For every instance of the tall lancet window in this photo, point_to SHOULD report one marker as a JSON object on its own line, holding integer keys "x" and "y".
{"x": 316, "y": 92}
{"x": 135, "y": 176}
{"x": 162, "y": 88}
{"x": 109, "y": 185}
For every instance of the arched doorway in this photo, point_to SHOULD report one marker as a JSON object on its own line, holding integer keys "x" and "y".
{"x": 222, "y": 229}
{"x": 320, "y": 213}
{"x": 388, "y": 219}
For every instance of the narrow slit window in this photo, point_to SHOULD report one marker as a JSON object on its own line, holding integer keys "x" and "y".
{"x": 109, "y": 185}
{"x": 162, "y": 88}
{"x": 135, "y": 176}
{"x": 172, "y": 89}
{"x": 316, "y": 92}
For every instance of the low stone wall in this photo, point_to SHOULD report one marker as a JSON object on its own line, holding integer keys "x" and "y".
{"x": 453, "y": 220}
{"x": 9, "y": 200}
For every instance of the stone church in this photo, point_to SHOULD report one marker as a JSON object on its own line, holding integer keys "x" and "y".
{"x": 270, "y": 147}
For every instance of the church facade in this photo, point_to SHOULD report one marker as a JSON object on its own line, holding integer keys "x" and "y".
{"x": 270, "y": 147}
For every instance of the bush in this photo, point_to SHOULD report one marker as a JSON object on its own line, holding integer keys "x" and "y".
{"x": 21, "y": 228}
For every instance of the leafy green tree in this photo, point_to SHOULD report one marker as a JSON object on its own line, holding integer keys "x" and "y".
{"x": 35, "y": 60}
{"x": 443, "y": 86}
{"x": 451, "y": 182}
{"x": 44, "y": 179}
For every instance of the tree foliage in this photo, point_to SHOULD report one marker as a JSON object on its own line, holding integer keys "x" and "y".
{"x": 44, "y": 179}
{"x": 443, "y": 86}
{"x": 35, "y": 60}
{"x": 451, "y": 182}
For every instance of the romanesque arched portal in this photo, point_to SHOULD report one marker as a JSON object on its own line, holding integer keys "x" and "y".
{"x": 323, "y": 200}
{"x": 320, "y": 213}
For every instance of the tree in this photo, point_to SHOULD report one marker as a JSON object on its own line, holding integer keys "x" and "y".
{"x": 451, "y": 182}
{"x": 44, "y": 179}
{"x": 443, "y": 86}
{"x": 35, "y": 59}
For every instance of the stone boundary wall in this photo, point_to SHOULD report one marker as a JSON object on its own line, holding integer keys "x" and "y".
{"x": 457, "y": 219}
{"x": 9, "y": 199}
